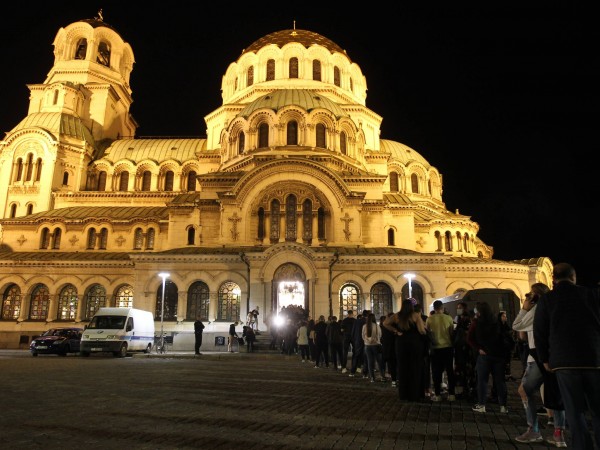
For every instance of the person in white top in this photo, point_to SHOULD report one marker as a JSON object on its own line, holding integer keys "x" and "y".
{"x": 371, "y": 334}
{"x": 533, "y": 378}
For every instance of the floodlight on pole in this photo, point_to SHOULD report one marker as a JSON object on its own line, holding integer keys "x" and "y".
{"x": 409, "y": 277}
{"x": 164, "y": 276}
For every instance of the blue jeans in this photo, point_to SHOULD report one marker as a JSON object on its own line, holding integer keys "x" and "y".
{"x": 580, "y": 391}
{"x": 372, "y": 356}
{"x": 532, "y": 381}
{"x": 485, "y": 365}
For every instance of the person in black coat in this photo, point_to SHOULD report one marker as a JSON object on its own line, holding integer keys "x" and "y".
{"x": 566, "y": 332}
{"x": 198, "y": 329}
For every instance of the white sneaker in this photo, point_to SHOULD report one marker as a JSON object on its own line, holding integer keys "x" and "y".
{"x": 478, "y": 408}
{"x": 339, "y": 366}
{"x": 504, "y": 409}
{"x": 451, "y": 398}
{"x": 344, "y": 370}
{"x": 358, "y": 370}
{"x": 436, "y": 398}
{"x": 529, "y": 436}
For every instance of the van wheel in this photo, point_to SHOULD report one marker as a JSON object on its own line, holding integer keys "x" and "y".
{"x": 122, "y": 353}
{"x": 148, "y": 349}
{"x": 85, "y": 354}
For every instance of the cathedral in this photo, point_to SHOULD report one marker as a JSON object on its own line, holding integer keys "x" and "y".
{"x": 291, "y": 198}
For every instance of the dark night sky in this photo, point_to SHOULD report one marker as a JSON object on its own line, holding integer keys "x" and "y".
{"x": 499, "y": 98}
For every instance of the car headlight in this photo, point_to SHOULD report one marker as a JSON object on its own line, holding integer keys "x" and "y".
{"x": 112, "y": 336}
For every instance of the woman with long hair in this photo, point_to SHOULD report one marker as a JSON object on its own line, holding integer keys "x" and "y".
{"x": 409, "y": 329}
{"x": 371, "y": 334}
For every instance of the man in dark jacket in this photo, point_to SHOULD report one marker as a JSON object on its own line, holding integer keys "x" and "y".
{"x": 358, "y": 345}
{"x": 566, "y": 330}
{"x": 336, "y": 342}
{"x": 198, "y": 329}
{"x": 347, "y": 325}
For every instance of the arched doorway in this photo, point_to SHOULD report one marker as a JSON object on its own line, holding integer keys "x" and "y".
{"x": 290, "y": 288}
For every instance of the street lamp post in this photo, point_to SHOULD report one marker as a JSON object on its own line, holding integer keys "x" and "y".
{"x": 164, "y": 276}
{"x": 409, "y": 277}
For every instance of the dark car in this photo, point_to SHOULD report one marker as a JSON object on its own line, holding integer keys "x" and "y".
{"x": 57, "y": 341}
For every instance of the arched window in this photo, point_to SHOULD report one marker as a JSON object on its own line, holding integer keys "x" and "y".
{"x": 191, "y": 181}
{"x": 381, "y": 299}
{"x": 55, "y": 97}
{"x": 275, "y": 213}
{"x": 124, "y": 297}
{"x": 103, "y": 238}
{"x": 350, "y": 299}
{"x": 391, "y": 237}
{"x": 343, "y": 143}
{"x": 56, "y": 238}
{"x": 91, "y": 240}
{"x": 171, "y": 298}
{"x": 316, "y": 66}
{"x": 293, "y": 67}
{"x": 101, "y": 181}
{"x": 414, "y": 181}
{"x": 150, "y": 239}
{"x": 11, "y": 302}
{"x": 19, "y": 170}
{"x": 458, "y": 241}
{"x": 320, "y": 132}
{"x": 94, "y": 300}
{"x": 261, "y": 224}
{"x": 81, "y": 49}
{"x": 169, "y": 177}
{"x": 438, "y": 238}
{"x": 65, "y": 181}
{"x": 44, "y": 238}
{"x": 146, "y": 180}
{"x": 40, "y": 302}
{"x": 321, "y": 223}
{"x": 466, "y": 245}
{"x": 270, "y": 70}
{"x": 30, "y": 168}
{"x": 263, "y": 135}
{"x": 393, "y": 181}
{"x": 29, "y": 209}
{"x": 250, "y": 76}
{"x": 448, "y": 241}
{"x": 38, "y": 169}
{"x": 290, "y": 218}
{"x": 67, "y": 303}
{"x": 124, "y": 181}
{"x": 191, "y": 235}
{"x": 336, "y": 76}
{"x": 198, "y": 301}
{"x": 138, "y": 239}
{"x": 292, "y": 132}
{"x": 307, "y": 221}
{"x": 228, "y": 308}
{"x": 13, "y": 210}
{"x": 241, "y": 142}
{"x": 103, "y": 54}
{"x": 351, "y": 85}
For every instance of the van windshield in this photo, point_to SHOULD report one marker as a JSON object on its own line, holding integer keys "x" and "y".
{"x": 107, "y": 322}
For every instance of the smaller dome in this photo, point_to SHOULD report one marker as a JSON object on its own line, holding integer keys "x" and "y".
{"x": 304, "y": 98}
{"x": 304, "y": 37}
{"x": 57, "y": 124}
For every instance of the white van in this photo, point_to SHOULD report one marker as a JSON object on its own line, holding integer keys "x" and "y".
{"x": 119, "y": 331}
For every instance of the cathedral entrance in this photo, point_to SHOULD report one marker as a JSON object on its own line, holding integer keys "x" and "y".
{"x": 290, "y": 291}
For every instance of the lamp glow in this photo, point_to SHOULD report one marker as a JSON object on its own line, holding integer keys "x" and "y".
{"x": 409, "y": 277}
{"x": 164, "y": 276}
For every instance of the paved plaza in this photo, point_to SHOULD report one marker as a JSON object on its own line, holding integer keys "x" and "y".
{"x": 223, "y": 400}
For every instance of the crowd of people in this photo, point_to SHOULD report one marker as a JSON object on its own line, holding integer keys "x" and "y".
{"x": 436, "y": 358}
